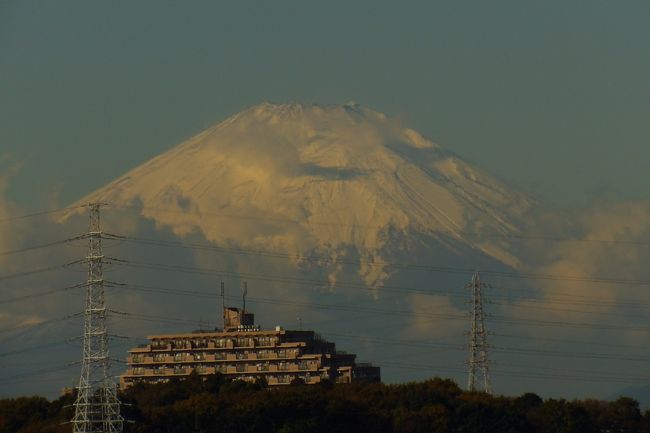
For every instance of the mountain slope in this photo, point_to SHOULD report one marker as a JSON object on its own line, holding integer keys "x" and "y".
{"x": 335, "y": 179}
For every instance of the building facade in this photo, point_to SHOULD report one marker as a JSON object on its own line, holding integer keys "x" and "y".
{"x": 243, "y": 351}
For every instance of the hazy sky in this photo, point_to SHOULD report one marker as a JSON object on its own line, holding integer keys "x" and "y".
{"x": 551, "y": 95}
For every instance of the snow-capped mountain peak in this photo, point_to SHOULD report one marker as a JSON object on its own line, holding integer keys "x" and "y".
{"x": 329, "y": 178}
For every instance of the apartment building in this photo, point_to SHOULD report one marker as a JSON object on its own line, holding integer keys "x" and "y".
{"x": 244, "y": 351}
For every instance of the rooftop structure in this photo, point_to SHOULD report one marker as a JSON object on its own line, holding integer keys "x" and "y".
{"x": 244, "y": 351}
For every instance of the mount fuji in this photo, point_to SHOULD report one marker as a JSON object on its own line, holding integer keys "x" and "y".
{"x": 339, "y": 181}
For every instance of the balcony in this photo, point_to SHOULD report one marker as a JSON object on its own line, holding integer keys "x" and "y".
{"x": 160, "y": 346}
{"x": 199, "y": 344}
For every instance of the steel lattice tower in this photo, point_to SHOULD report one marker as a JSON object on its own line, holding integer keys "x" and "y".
{"x": 97, "y": 409}
{"x": 478, "y": 348}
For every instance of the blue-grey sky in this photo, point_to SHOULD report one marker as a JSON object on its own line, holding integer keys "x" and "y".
{"x": 553, "y": 96}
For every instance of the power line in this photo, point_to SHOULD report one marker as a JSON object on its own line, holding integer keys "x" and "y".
{"x": 37, "y": 347}
{"x": 200, "y": 294}
{"x": 564, "y": 340}
{"x": 261, "y": 277}
{"x": 40, "y": 246}
{"x": 58, "y": 343}
{"x": 631, "y": 303}
{"x": 596, "y": 303}
{"x": 570, "y": 299}
{"x": 514, "y": 374}
{"x": 154, "y": 318}
{"x": 203, "y": 294}
{"x": 447, "y": 269}
{"x": 37, "y": 214}
{"x": 39, "y": 324}
{"x": 40, "y": 270}
{"x": 594, "y": 300}
{"x": 416, "y": 343}
{"x": 209, "y": 295}
{"x": 16, "y": 378}
{"x": 357, "y": 309}
{"x": 327, "y": 307}
{"x": 206, "y": 271}
{"x": 31, "y": 272}
{"x": 41, "y": 294}
{"x": 510, "y": 236}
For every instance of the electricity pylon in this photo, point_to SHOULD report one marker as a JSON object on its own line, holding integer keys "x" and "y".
{"x": 478, "y": 347}
{"x": 97, "y": 409}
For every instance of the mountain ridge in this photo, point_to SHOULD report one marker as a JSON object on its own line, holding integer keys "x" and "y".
{"x": 367, "y": 175}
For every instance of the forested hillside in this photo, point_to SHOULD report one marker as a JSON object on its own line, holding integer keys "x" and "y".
{"x": 436, "y": 405}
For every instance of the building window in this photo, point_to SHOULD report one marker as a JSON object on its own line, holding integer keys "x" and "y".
{"x": 179, "y": 370}
{"x": 266, "y": 341}
{"x": 263, "y": 366}
{"x": 199, "y": 357}
{"x": 179, "y": 344}
{"x": 198, "y": 344}
{"x": 158, "y": 345}
{"x": 284, "y": 378}
{"x": 243, "y": 342}
{"x": 241, "y": 367}
{"x": 263, "y": 354}
{"x": 242, "y": 355}
{"x": 303, "y": 365}
{"x": 138, "y": 370}
{"x": 282, "y": 353}
{"x": 136, "y": 358}
{"x": 159, "y": 357}
{"x": 220, "y": 355}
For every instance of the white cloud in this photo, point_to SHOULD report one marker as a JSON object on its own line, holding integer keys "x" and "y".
{"x": 434, "y": 316}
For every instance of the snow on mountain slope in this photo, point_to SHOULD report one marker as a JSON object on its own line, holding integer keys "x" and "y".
{"x": 329, "y": 179}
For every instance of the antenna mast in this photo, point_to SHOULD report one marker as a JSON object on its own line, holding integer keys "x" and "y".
{"x": 223, "y": 305}
{"x": 478, "y": 348}
{"x": 244, "y": 296}
{"x": 97, "y": 409}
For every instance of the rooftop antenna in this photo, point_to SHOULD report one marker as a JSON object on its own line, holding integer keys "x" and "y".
{"x": 223, "y": 304}
{"x": 299, "y": 323}
{"x": 244, "y": 296}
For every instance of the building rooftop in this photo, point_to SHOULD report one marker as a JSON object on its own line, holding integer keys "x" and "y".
{"x": 244, "y": 351}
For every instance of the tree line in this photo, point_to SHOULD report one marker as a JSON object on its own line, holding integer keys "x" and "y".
{"x": 218, "y": 405}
